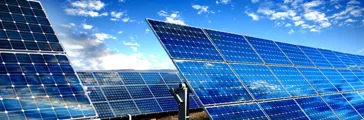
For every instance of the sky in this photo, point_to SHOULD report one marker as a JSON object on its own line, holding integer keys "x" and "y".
{"x": 113, "y": 34}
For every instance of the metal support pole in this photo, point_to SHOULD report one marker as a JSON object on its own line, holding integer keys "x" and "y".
{"x": 181, "y": 95}
{"x": 129, "y": 116}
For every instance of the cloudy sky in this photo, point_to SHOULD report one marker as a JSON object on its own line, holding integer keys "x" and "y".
{"x": 113, "y": 34}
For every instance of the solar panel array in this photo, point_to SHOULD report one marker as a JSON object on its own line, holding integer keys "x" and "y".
{"x": 36, "y": 78}
{"x": 241, "y": 77}
{"x": 119, "y": 93}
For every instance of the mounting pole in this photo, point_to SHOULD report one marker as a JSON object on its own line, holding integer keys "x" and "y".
{"x": 181, "y": 95}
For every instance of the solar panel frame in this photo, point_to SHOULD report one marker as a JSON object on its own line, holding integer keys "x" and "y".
{"x": 332, "y": 58}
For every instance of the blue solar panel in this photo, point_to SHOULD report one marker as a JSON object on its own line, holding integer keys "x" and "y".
{"x": 234, "y": 47}
{"x": 295, "y": 54}
{"x": 352, "y": 79}
{"x": 131, "y": 78}
{"x": 356, "y": 60}
{"x": 359, "y": 74}
{"x": 237, "y": 112}
{"x": 103, "y": 110}
{"x": 332, "y": 58}
{"x": 183, "y": 42}
{"x": 283, "y": 110}
{"x": 260, "y": 81}
{"x": 133, "y": 96}
{"x": 316, "y": 57}
{"x": 269, "y": 51}
{"x": 148, "y": 106}
{"x": 341, "y": 107}
{"x": 213, "y": 82}
{"x": 345, "y": 59}
{"x": 356, "y": 101}
{"x": 293, "y": 81}
{"x": 123, "y": 108}
{"x": 316, "y": 108}
{"x": 318, "y": 80}
{"x": 337, "y": 80}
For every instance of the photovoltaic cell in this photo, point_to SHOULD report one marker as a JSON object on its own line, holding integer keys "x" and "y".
{"x": 132, "y": 92}
{"x": 341, "y": 107}
{"x": 260, "y": 81}
{"x": 318, "y": 80}
{"x": 213, "y": 82}
{"x": 237, "y": 112}
{"x": 233, "y": 47}
{"x": 345, "y": 59}
{"x": 269, "y": 51}
{"x": 337, "y": 80}
{"x": 184, "y": 42}
{"x": 293, "y": 81}
{"x": 295, "y": 54}
{"x": 356, "y": 60}
{"x": 356, "y": 101}
{"x": 316, "y": 108}
{"x": 316, "y": 57}
{"x": 355, "y": 82}
{"x": 283, "y": 110}
{"x": 332, "y": 58}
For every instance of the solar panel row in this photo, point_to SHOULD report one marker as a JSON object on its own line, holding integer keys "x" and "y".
{"x": 36, "y": 79}
{"x": 242, "y": 77}
{"x": 117, "y": 94}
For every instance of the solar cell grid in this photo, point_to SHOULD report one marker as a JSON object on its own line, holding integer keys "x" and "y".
{"x": 337, "y": 80}
{"x": 356, "y": 101}
{"x": 316, "y": 108}
{"x": 295, "y": 54}
{"x": 355, "y": 82}
{"x": 213, "y": 82}
{"x": 341, "y": 107}
{"x": 345, "y": 59}
{"x": 293, "y": 81}
{"x": 284, "y": 109}
{"x": 233, "y": 47}
{"x": 332, "y": 58}
{"x": 260, "y": 81}
{"x": 142, "y": 93}
{"x": 269, "y": 51}
{"x": 237, "y": 112}
{"x": 356, "y": 60}
{"x": 185, "y": 42}
{"x": 316, "y": 57}
{"x": 318, "y": 80}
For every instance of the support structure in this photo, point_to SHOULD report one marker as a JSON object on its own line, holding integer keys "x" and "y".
{"x": 181, "y": 95}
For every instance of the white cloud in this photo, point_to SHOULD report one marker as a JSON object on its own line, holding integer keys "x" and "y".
{"x": 223, "y": 2}
{"x": 70, "y": 25}
{"x": 103, "y": 36}
{"x": 353, "y": 2}
{"x": 254, "y": 16}
{"x": 147, "y": 30}
{"x": 288, "y": 25}
{"x": 312, "y": 4}
{"x": 315, "y": 16}
{"x": 361, "y": 50}
{"x": 133, "y": 45}
{"x": 350, "y": 20}
{"x": 356, "y": 12}
{"x": 120, "y": 32}
{"x": 202, "y": 9}
{"x": 265, "y": 11}
{"x": 127, "y": 19}
{"x": 291, "y": 31}
{"x": 116, "y": 15}
{"x": 298, "y": 23}
{"x": 122, "y": 1}
{"x": 255, "y": 1}
{"x": 87, "y": 27}
{"x": 283, "y": 15}
{"x": 87, "y": 8}
{"x": 314, "y": 30}
{"x": 174, "y": 17}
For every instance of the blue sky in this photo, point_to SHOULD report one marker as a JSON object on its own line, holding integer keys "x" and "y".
{"x": 113, "y": 34}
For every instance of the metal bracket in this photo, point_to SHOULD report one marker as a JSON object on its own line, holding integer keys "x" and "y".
{"x": 181, "y": 95}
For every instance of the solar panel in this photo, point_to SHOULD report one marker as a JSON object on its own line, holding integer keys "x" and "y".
{"x": 316, "y": 108}
{"x": 260, "y": 81}
{"x": 290, "y": 81}
{"x": 341, "y": 107}
{"x": 36, "y": 78}
{"x": 316, "y": 57}
{"x": 26, "y": 28}
{"x": 295, "y": 54}
{"x": 356, "y": 101}
{"x": 332, "y": 58}
{"x": 284, "y": 110}
{"x": 234, "y": 47}
{"x": 237, "y": 112}
{"x": 356, "y": 60}
{"x": 119, "y": 93}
